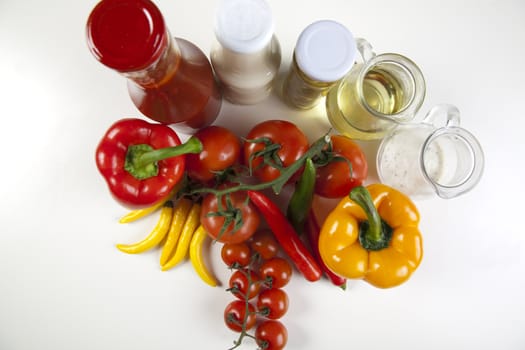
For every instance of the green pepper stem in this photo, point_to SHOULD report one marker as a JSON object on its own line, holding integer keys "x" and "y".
{"x": 141, "y": 160}
{"x": 193, "y": 145}
{"x": 374, "y": 234}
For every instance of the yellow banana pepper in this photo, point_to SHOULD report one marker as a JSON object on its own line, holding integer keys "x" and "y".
{"x": 373, "y": 235}
{"x": 180, "y": 212}
{"x": 196, "y": 256}
{"x": 183, "y": 245}
{"x": 136, "y": 214}
{"x": 155, "y": 236}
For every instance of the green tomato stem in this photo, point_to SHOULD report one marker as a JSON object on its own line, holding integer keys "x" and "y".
{"x": 278, "y": 183}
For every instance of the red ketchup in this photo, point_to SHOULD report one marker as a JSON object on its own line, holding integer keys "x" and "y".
{"x": 170, "y": 80}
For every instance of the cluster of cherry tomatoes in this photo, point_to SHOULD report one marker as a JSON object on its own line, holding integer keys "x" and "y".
{"x": 223, "y": 150}
{"x": 258, "y": 273}
{"x": 257, "y": 284}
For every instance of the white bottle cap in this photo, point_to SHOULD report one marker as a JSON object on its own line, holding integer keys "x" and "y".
{"x": 325, "y": 51}
{"x": 244, "y": 26}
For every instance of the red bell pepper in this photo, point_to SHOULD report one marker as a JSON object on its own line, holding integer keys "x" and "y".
{"x": 286, "y": 236}
{"x": 142, "y": 162}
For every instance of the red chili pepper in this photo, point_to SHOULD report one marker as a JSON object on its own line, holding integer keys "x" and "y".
{"x": 142, "y": 162}
{"x": 313, "y": 230}
{"x": 286, "y": 236}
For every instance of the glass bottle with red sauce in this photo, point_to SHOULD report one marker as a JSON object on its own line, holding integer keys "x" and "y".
{"x": 170, "y": 80}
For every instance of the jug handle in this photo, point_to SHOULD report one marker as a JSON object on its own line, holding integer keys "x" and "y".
{"x": 365, "y": 49}
{"x": 447, "y": 112}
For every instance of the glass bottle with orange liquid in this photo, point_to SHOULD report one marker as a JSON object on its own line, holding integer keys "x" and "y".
{"x": 170, "y": 80}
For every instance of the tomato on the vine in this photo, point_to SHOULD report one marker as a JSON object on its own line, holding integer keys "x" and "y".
{"x": 277, "y": 271}
{"x": 235, "y": 315}
{"x": 335, "y": 180}
{"x": 220, "y": 150}
{"x": 214, "y": 223}
{"x": 291, "y": 141}
{"x": 264, "y": 243}
{"x": 271, "y": 335}
{"x": 236, "y": 254}
{"x": 272, "y": 303}
{"x": 243, "y": 288}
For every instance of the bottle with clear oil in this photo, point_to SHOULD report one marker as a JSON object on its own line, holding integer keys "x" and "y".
{"x": 246, "y": 55}
{"x": 378, "y": 94}
{"x": 324, "y": 53}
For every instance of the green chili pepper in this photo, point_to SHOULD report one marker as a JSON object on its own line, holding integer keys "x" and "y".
{"x": 301, "y": 200}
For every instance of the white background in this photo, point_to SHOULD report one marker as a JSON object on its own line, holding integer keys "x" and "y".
{"x": 64, "y": 285}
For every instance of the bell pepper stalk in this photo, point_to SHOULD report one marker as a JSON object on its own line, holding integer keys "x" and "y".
{"x": 286, "y": 236}
{"x": 142, "y": 162}
{"x": 302, "y": 197}
{"x": 373, "y": 235}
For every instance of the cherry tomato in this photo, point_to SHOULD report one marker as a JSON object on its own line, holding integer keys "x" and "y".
{"x": 273, "y": 303}
{"x": 241, "y": 287}
{"x": 235, "y": 315}
{"x": 277, "y": 270}
{"x": 271, "y": 335}
{"x": 221, "y": 149}
{"x": 213, "y": 224}
{"x": 335, "y": 180}
{"x": 264, "y": 243}
{"x": 293, "y": 144}
{"x": 236, "y": 254}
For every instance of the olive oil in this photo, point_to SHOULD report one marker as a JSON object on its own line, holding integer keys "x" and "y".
{"x": 382, "y": 92}
{"x": 359, "y": 108}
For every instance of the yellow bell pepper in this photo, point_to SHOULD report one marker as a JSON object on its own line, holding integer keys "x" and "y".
{"x": 373, "y": 235}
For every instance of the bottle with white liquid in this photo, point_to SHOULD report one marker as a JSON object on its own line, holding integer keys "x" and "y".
{"x": 247, "y": 55}
{"x": 423, "y": 159}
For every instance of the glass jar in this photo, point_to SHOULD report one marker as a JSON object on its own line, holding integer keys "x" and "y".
{"x": 436, "y": 156}
{"x": 325, "y": 52}
{"x": 378, "y": 94}
{"x": 170, "y": 80}
{"x": 246, "y": 55}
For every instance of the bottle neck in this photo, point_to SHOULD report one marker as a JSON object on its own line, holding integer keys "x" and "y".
{"x": 162, "y": 69}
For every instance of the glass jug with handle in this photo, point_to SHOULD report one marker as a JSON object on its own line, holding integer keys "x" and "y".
{"x": 377, "y": 94}
{"x": 422, "y": 159}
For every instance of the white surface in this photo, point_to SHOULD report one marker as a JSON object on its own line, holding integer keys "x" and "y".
{"x": 64, "y": 285}
{"x": 325, "y": 50}
{"x": 244, "y": 26}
